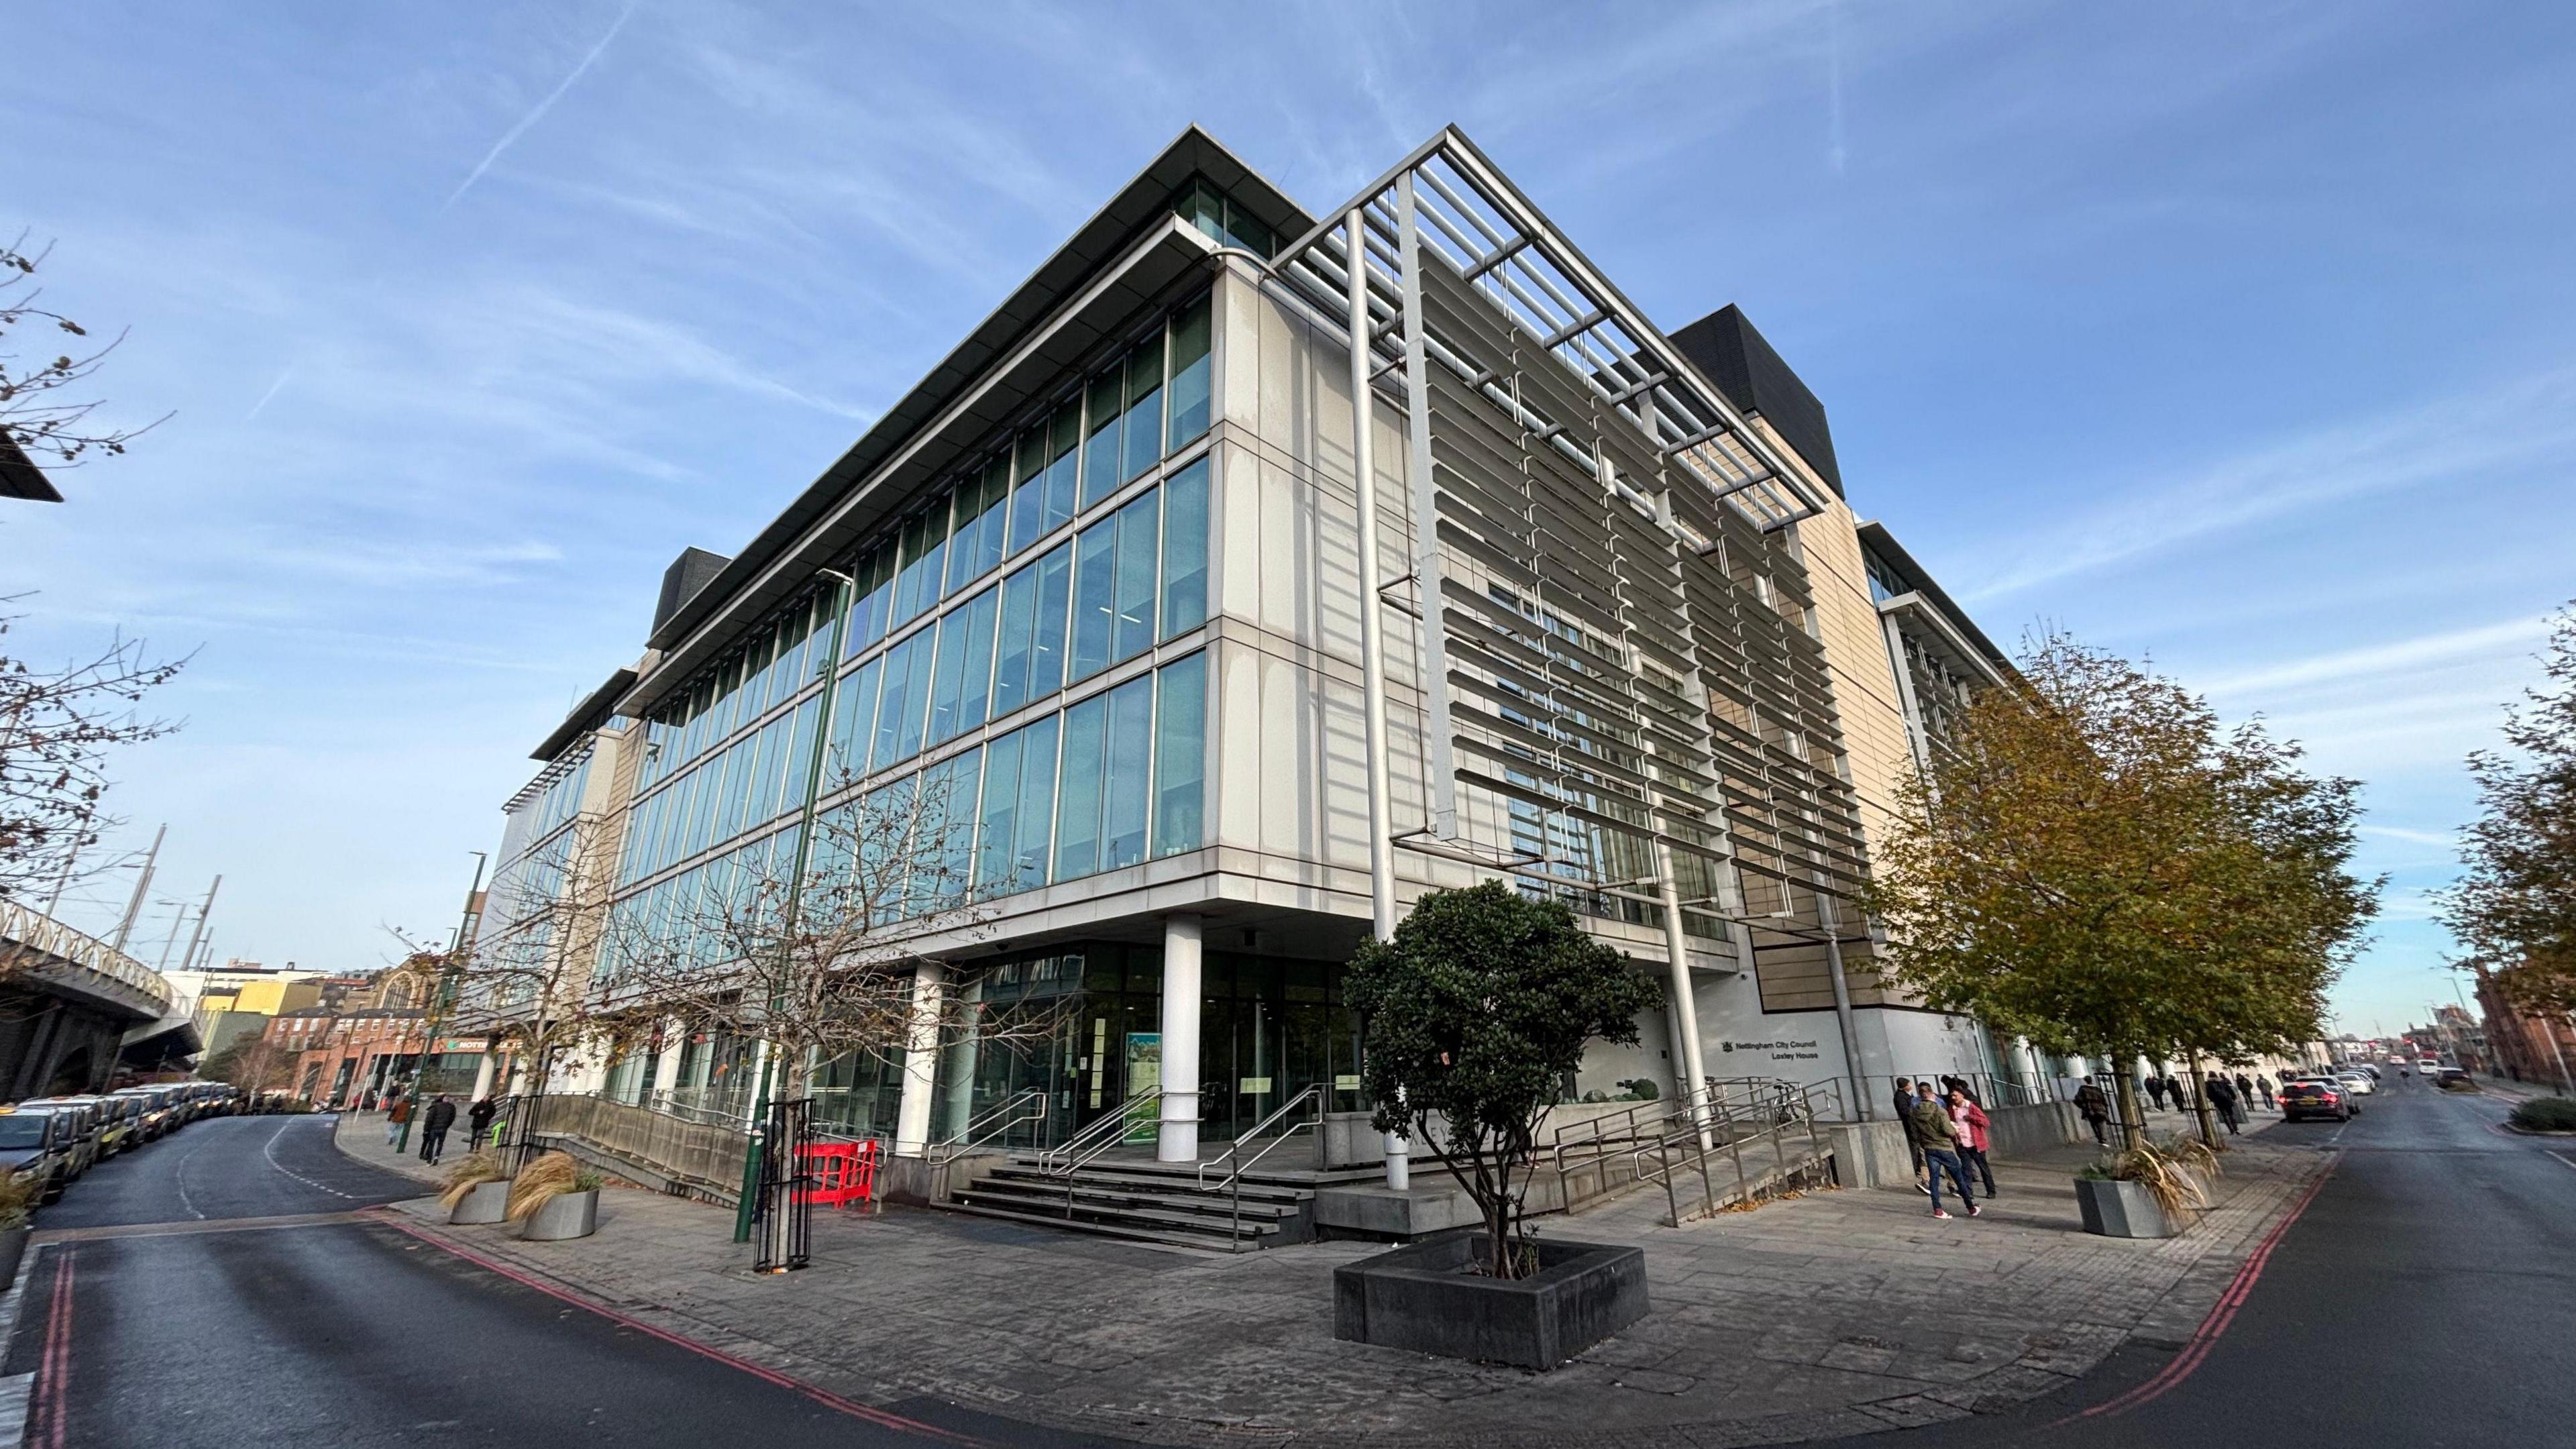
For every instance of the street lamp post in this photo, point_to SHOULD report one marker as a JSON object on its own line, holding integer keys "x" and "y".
{"x": 843, "y": 598}
{"x": 437, "y": 1018}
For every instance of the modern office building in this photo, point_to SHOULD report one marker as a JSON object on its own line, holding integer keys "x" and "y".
{"x": 1216, "y": 671}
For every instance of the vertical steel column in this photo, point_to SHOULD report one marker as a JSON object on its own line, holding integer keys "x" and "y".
{"x": 1677, "y": 955}
{"x": 1826, "y": 918}
{"x": 1399, "y": 1172}
{"x": 1440, "y": 771}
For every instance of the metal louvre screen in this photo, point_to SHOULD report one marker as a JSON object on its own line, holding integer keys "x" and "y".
{"x": 1610, "y": 587}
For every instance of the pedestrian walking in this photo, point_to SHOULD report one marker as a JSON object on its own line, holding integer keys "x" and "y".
{"x": 2094, "y": 1108}
{"x": 1941, "y": 1153}
{"x": 2263, "y": 1084}
{"x": 2244, "y": 1090}
{"x": 397, "y": 1113}
{"x": 478, "y": 1120}
{"x": 1904, "y": 1102}
{"x": 2222, "y": 1095}
{"x": 433, "y": 1128}
{"x": 2156, "y": 1089}
{"x": 1970, "y": 1122}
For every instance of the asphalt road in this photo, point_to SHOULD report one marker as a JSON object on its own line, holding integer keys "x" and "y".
{"x": 188, "y": 1314}
{"x": 2426, "y": 1298}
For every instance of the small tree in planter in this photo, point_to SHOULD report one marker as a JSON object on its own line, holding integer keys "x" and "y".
{"x": 1475, "y": 1013}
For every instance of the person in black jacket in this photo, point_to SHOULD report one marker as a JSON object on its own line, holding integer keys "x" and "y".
{"x": 2222, "y": 1095}
{"x": 433, "y": 1128}
{"x": 478, "y": 1121}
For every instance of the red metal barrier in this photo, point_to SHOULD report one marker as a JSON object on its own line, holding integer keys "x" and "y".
{"x": 841, "y": 1172}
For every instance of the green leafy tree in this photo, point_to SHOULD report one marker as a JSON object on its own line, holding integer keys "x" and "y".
{"x": 1474, "y": 1014}
{"x": 2093, "y": 863}
{"x": 2514, "y": 906}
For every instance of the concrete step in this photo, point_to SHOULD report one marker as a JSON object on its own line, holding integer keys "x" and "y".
{"x": 1099, "y": 1198}
{"x": 1193, "y": 1243}
{"x": 1201, "y": 1227}
{"x": 1149, "y": 1182}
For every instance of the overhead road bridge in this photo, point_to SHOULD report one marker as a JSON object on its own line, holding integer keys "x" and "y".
{"x": 72, "y": 1006}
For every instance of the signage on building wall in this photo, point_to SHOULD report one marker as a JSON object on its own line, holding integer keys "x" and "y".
{"x": 1778, "y": 1051}
{"x": 461, "y": 1044}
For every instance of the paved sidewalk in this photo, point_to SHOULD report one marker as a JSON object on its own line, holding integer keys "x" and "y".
{"x": 362, "y": 1135}
{"x": 1833, "y": 1314}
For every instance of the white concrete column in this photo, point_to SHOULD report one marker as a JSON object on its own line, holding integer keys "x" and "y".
{"x": 920, "y": 1062}
{"x": 1178, "y": 1136}
{"x": 483, "y": 1072}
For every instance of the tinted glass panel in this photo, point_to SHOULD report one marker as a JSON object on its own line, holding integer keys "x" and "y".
{"x": 1101, "y": 406}
{"x": 1037, "y": 803}
{"x": 1094, "y": 597}
{"x": 1134, "y": 591}
{"x": 1180, "y": 755}
{"x": 1143, "y": 428}
{"x": 1190, "y": 372}
{"x": 1077, "y": 814}
{"x": 1185, "y": 524}
{"x": 994, "y": 837}
{"x": 1127, "y": 791}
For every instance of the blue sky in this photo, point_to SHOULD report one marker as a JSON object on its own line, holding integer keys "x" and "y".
{"x": 2237, "y": 335}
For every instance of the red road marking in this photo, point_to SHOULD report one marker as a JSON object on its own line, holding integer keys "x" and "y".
{"x": 2206, "y": 1336}
{"x": 823, "y": 1396}
{"x": 53, "y": 1369}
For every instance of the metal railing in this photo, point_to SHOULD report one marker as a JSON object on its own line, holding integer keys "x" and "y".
{"x": 1658, "y": 1142}
{"x": 37, "y": 935}
{"x": 1095, "y": 1141}
{"x": 1313, "y": 1095}
{"x": 993, "y": 1122}
{"x": 703, "y": 1157}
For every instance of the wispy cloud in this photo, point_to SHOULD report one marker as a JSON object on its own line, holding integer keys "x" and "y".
{"x": 510, "y": 137}
{"x": 2443, "y": 838}
{"x": 2487, "y": 641}
{"x": 257, "y": 407}
{"x": 2452, "y": 439}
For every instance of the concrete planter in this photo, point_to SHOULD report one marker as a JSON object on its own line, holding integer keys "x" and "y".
{"x": 565, "y": 1215}
{"x": 1419, "y": 1298}
{"x": 484, "y": 1202}
{"x": 2121, "y": 1210}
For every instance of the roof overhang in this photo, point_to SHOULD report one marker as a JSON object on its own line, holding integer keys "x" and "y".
{"x": 1875, "y": 537}
{"x": 888, "y": 460}
{"x": 1018, "y": 379}
{"x": 594, "y": 710}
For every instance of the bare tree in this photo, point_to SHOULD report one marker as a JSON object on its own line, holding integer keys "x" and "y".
{"x": 58, "y": 725}
{"x": 39, "y": 412}
{"x": 815, "y": 950}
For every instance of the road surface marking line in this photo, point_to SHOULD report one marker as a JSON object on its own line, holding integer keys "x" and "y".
{"x": 270, "y": 1152}
{"x": 53, "y": 1371}
{"x": 2563, "y": 1159}
{"x": 192, "y": 1229}
{"x": 179, "y": 1179}
{"x": 2220, "y": 1315}
{"x": 880, "y": 1417}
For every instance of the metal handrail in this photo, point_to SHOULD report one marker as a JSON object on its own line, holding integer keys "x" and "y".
{"x": 1083, "y": 1147}
{"x": 36, "y": 931}
{"x": 1739, "y": 1110}
{"x": 981, "y": 1128}
{"x": 1233, "y": 1183}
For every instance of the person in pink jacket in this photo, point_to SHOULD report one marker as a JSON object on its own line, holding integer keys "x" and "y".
{"x": 1974, "y": 1134}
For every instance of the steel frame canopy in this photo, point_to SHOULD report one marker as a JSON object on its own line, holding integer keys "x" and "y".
{"x": 1445, "y": 206}
{"x": 1448, "y": 199}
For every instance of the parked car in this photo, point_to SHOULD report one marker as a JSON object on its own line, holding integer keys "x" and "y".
{"x": 150, "y": 1110}
{"x": 2305, "y": 1097}
{"x": 111, "y": 1123}
{"x": 35, "y": 1143}
{"x": 2359, "y": 1082}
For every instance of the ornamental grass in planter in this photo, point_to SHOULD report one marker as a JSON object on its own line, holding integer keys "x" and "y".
{"x": 476, "y": 1190}
{"x": 554, "y": 1198}
{"x": 18, "y": 1198}
{"x": 2153, "y": 1190}
{"x": 2545, "y": 1114}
